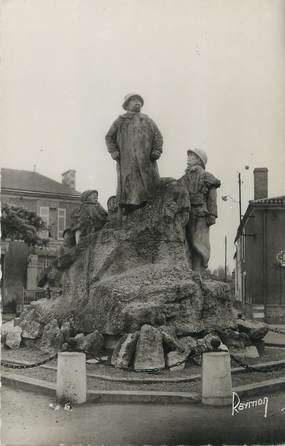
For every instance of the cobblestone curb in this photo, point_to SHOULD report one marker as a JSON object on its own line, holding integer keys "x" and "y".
{"x": 101, "y": 396}
{"x": 47, "y": 388}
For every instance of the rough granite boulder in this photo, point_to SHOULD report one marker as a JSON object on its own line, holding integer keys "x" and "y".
{"x": 66, "y": 330}
{"x": 13, "y": 338}
{"x": 5, "y": 327}
{"x": 93, "y": 343}
{"x": 149, "y": 352}
{"x": 90, "y": 344}
{"x": 52, "y": 338}
{"x": 208, "y": 343}
{"x": 124, "y": 351}
{"x": 187, "y": 345}
{"x": 76, "y": 343}
{"x": 170, "y": 340}
{"x": 31, "y": 329}
{"x": 174, "y": 358}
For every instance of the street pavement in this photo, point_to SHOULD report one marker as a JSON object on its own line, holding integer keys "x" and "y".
{"x": 275, "y": 338}
{"x": 28, "y": 420}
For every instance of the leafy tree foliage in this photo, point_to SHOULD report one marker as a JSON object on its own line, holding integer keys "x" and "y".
{"x": 218, "y": 274}
{"x": 18, "y": 223}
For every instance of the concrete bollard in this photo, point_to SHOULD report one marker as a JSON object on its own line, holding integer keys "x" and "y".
{"x": 71, "y": 377}
{"x": 216, "y": 379}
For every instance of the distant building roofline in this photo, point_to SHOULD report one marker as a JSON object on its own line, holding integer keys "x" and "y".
{"x": 29, "y": 182}
{"x": 261, "y": 202}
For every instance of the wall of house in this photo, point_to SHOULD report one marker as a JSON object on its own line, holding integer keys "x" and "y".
{"x": 34, "y": 204}
{"x": 238, "y": 289}
{"x": 254, "y": 248}
{"x": 275, "y": 287}
{"x": 260, "y": 278}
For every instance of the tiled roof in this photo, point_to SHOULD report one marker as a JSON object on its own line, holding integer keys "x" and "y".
{"x": 24, "y": 180}
{"x": 256, "y": 203}
{"x": 273, "y": 200}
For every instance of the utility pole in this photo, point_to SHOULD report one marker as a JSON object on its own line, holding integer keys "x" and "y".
{"x": 239, "y": 196}
{"x": 226, "y": 272}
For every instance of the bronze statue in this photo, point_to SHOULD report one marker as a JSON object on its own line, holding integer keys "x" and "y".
{"x": 202, "y": 188}
{"x": 112, "y": 204}
{"x": 90, "y": 216}
{"x": 135, "y": 142}
{"x": 114, "y": 216}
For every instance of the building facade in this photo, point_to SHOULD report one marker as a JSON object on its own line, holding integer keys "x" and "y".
{"x": 54, "y": 202}
{"x": 260, "y": 255}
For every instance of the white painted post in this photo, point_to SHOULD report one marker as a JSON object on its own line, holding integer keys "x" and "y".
{"x": 216, "y": 379}
{"x": 71, "y": 377}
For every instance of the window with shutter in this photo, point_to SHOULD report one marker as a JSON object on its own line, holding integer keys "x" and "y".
{"x": 61, "y": 222}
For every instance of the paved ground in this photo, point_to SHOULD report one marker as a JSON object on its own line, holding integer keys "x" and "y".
{"x": 28, "y": 420}
{"x": 275, "y": 338}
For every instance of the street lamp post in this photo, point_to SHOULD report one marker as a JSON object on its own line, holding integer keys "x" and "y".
{"x": 239, "y": 196}
{"x": 225, "y": 197}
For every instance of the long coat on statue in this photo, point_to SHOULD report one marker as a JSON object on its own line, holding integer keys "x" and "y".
{"x": 136, "y": 137}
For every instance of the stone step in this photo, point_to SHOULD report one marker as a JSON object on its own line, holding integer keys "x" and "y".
{"x": 258, "y": 312}
{"x": 258, "y": 307}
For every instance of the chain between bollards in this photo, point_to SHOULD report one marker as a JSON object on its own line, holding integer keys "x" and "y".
{"x": 191, "y": 355}
{"x": 8, "y": 365}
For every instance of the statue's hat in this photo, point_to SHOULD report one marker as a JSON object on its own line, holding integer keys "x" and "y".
{"x": 128, "y": 97}
{"x": 200, "y": 153}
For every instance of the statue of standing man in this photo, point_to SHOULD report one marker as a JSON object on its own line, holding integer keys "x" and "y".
{"x": 202, "y": 188}
{"x": 135, "y": 142}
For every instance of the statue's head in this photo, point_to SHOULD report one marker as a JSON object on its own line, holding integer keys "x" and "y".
{"x": 90, "y": 196}
{"x": 112, "y": 204}
{"x": 196, "y": 157}
{"x": 67, "y": 234}
{"x": 133, "y": 102}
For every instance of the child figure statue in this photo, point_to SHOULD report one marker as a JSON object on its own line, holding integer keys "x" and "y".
{"x": 202, "y": 188}
{"x": 89, "y": 217}
{"x": 114, "y": 215}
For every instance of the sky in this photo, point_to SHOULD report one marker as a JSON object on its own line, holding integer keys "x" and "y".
{"x": 211, "y": 72}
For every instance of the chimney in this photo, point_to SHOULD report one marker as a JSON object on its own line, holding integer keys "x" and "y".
{"x": 69, "y": 178}
{"x": 260, "y": 183}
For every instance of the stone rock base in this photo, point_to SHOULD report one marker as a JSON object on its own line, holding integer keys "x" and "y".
{"x": 124, "y": 352}
{"x": 149, "y": 352}
{"x": 52, "y": 338}
{"x": 174, "y": 358}
{"x": 13, "y": 338}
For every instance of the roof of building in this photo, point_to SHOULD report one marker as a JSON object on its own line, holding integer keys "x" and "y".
{"x": 273, "y": 200}
{"x": 27, "y": 181}
{"x": 262, "y": 202}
